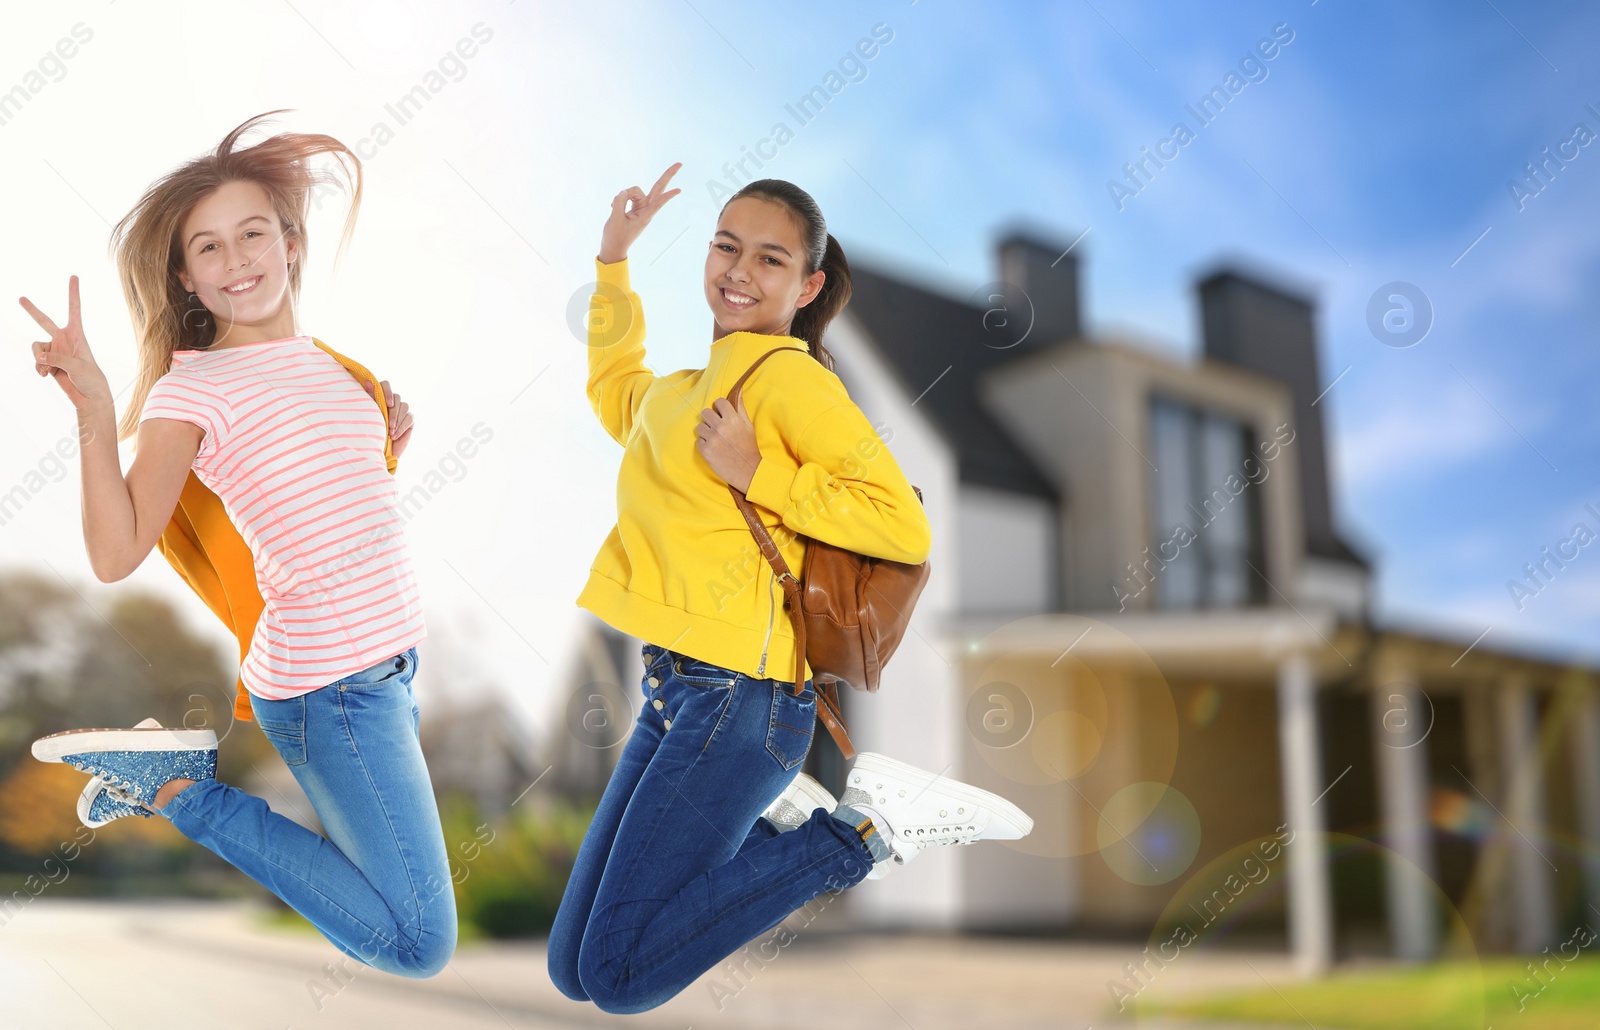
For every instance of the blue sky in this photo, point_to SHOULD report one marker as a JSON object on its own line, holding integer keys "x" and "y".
{"x": 1377, "y": 148}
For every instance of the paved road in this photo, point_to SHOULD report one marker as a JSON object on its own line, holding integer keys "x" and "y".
{"x": 66, "y": 964}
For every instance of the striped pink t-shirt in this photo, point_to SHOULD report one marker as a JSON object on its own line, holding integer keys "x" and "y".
{"x": 293, "y": 447}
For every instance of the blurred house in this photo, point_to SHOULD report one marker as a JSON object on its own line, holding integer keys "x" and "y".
{"x": 601, "y": 703}
{"x": 1144, "y": 628}
{"x": 1141, "y": 551}
{"x": 480, "y": 750}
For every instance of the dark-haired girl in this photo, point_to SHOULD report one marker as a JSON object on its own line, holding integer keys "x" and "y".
{"x": 707, "y": 835}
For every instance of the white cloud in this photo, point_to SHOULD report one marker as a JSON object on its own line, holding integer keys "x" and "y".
{"x": 1405, "y": 439}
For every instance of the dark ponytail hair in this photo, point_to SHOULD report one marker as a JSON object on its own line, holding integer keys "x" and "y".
{"x": 822, "y": 251}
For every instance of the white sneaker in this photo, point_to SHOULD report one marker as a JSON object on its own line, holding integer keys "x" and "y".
{"x": 922, "y": 809}
{"x": 795, "y": 805}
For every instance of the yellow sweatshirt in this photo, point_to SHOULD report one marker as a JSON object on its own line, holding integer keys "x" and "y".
{"x": 680, "y": 568}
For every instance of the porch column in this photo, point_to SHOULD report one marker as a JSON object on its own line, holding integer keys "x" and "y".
{"x": 1585, "y": 745}
{"x": 1531, "y": 887}
{"x": 1300, "y": 758}
{"x": 1402, "y": 717}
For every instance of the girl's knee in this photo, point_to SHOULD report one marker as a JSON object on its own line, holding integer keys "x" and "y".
{"x": 618, "y": 999}
{"x": 428, "y": 956}
{"x": 436, "y": 933}
{"x": 563, "y": 965}
{"x": 616, "y": 994}
{"x": 429, "y": 950}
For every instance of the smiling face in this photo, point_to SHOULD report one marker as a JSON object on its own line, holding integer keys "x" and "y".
{"x": 236, "y": 259}
{"x": 756, "y": 269}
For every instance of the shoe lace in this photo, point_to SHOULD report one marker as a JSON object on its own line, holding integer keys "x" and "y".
{"x": 944, "y": 833}
{"x": 118, "y": 794}
{"x": 111, "y": 781}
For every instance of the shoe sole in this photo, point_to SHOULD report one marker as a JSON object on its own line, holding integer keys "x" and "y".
{"x": 85, "y": 800}
{"x": 73, "y": 742}
{"x": 1001, "y": 810}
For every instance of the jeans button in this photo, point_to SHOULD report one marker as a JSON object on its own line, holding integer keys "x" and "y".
{"x": 668, "y": 723}
{"x": 659, "y": 704}
{"x": 653, "y": 682}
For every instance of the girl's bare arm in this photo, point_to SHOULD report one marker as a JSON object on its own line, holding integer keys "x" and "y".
{"x": 122, "y": 517}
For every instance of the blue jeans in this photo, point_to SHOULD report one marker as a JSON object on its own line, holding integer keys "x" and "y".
{"x": 378, "y": 886}
{"x": 678, "y": 870}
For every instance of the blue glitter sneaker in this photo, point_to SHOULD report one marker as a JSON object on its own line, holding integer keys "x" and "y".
{"x": 101, "y": 803}
{"x": 137, "y": 762}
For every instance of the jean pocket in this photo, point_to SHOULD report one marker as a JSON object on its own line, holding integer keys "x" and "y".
{"x": 697, "y": 673}
{"x": 655, "y": 662}
{"x": 381, "y": 674}
{"x": 789, "y": 727}
{"x": 283, "y": 723}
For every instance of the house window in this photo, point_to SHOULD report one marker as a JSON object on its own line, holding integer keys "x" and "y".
{"x": 1205, "y": 510}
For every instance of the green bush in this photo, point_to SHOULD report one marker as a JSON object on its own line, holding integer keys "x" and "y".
{"x": 509, "y": 871}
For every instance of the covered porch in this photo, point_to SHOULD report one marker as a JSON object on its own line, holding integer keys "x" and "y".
{"x": 1443, "y": 773}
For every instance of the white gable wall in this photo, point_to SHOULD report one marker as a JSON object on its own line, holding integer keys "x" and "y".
{"x": 1008, "y": 552}
{"x": 916, "y": 714}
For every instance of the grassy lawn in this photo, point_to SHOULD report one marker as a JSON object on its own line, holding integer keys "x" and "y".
{"x": 1448, "y": 995}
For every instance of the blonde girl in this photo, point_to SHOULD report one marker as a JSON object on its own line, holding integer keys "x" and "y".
{"x": 210, "y": 260}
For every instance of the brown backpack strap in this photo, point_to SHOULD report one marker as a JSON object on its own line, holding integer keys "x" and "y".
{"x": 826, "y": 691}
{"x": 738, "y": 384}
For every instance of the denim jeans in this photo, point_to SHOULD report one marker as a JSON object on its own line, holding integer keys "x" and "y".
{"x": 678, "y": 870}
{"x": 378, "y": 886}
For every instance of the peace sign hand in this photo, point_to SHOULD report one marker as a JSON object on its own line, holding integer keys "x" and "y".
{"x": 631, "y": 211}
{"x": 66, "y": 355}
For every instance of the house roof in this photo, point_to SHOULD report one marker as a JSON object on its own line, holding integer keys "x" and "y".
{"x": 937, "y": 344}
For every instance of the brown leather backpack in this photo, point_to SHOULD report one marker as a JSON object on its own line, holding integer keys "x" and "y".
{"x": 848, "y": 610}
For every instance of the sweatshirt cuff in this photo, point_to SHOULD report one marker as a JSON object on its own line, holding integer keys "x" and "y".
{"x": 613, "y": 274}
{"x": 769, "y": 487}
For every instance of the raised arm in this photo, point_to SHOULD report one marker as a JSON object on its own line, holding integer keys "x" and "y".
{"x": 618, "y": 377}
{"x": 122, "y": 518}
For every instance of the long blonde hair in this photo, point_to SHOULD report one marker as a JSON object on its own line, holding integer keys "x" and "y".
{"x": 149, "y": 253}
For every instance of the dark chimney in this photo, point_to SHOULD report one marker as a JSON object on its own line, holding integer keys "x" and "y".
{"x": 1049, "y": 278}
{"x": 1250, "y": 324}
